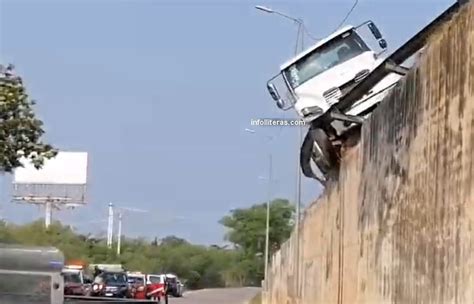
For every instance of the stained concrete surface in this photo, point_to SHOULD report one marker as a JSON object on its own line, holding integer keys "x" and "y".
{"x": 398, "y": 225}
{"x": 217, "y": 296}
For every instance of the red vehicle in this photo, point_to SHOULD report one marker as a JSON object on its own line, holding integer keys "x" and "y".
{"x": 156, "y": 287}
{"x": 138, "y": 288}
{"x": 75, "y": 282}
{"x": 147, "y": 286}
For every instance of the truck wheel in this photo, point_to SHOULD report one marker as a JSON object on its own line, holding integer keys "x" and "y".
{"x": 318, "y": 148}
{"x": 324, "y": 153}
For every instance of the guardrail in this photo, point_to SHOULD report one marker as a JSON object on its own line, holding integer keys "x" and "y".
{"x": 404, "y": 52}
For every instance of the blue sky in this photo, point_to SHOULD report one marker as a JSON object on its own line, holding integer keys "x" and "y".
{"x": 160, "y": 92}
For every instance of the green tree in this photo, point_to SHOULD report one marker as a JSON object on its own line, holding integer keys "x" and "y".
{"x": 247, "y": 231}
{"x": 5, "y": 233}
{"x": 247, "y": 227}
{"x": 172, "y": 240}
{"x": 20, "y": 130}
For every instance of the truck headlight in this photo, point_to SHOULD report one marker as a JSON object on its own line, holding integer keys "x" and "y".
{"x": 314, "y": 110}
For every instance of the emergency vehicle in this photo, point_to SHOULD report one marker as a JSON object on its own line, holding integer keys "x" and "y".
{"x": 147, "y": 286}
{"x": 138, "y": 287}
{"x": 156, "y": 287}
{"x": 75, "y": 282}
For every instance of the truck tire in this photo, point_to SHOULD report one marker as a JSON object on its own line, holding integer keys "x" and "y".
{"x": 317, "y": 147}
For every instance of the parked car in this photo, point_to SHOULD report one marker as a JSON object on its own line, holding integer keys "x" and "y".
{"x": 157, "y": 287}
{"x": 174, "y": 285}
{"x": 181, "y": 288}
{"x": 75, "y": 281}
{"x": 137, "y": 285}
{"x": 111, "y": 284}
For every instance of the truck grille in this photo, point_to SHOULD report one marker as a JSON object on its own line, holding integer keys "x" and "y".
{"x": 333, "y": 95}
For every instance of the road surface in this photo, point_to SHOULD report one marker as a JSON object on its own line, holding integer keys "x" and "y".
{"x": 217, "y": 296}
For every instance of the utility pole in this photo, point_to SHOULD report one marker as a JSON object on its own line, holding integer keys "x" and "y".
{"x": 267, "y": 226}
{"x": 119, "y": 233}
{"x": 298, "y": 182}
{"x": 120, "y": 211}
{"x": 300, "y": 35}
{"x": 48, "y": 214}
{"x": 110, "y": 226}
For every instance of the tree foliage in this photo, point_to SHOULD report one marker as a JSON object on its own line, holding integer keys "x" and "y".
{"x": 247, "y": 230}
{"x": 20, "y": 130}
{"x": 247, "y": 227}
{"x": 200, "y": 266}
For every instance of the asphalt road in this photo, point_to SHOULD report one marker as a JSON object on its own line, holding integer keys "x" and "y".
{"x": 217, "y": 296}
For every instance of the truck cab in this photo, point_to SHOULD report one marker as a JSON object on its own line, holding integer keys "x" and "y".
{"x": 315, "y": 80}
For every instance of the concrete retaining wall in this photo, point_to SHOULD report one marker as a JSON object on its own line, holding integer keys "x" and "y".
{"x": 398, "y": 227}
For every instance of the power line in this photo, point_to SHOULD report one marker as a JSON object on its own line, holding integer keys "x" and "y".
{"x": 309, "y": 34}
{"x": 348, "y": 14}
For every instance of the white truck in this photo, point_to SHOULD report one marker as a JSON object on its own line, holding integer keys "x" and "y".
{"x": 314, "y": 82}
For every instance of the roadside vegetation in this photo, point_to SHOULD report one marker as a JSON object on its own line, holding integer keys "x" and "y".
{"x": 201, "y": 266}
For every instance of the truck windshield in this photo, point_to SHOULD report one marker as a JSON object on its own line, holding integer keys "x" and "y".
{"x": 334, "y": 52}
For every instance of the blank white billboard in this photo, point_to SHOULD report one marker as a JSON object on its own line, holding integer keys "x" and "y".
{"x": 65, "y": 168}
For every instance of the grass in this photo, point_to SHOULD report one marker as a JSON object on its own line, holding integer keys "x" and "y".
{"x": 257, "y": 299}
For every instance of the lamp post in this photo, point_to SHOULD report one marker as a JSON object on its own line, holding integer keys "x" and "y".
{"x": 301, "y": 27}
{"x": 267, "y": 224}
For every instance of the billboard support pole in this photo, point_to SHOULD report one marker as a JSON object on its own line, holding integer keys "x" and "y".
{"x": 48, "y": 214}
{"x": 60, "y": 183}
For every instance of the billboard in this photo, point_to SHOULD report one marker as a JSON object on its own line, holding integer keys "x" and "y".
{"x": 61, "y": 181}
{"x": 67, "y": 168}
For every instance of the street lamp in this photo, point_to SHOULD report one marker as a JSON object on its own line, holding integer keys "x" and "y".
{"x": 270, "y": 11}
{"x": 301, "y": 26}
{"x": 267, "y": 224}
{"x": 299, "y": 21}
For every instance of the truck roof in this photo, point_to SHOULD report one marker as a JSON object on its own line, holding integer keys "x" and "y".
{"x": 315, "y": 46}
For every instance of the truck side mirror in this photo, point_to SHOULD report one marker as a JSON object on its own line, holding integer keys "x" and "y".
{"x": 375, "y": 31}
{"x": 275, "y": 95}
{"x": 280, "y": 104}
{"x": 273, "y": 91}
